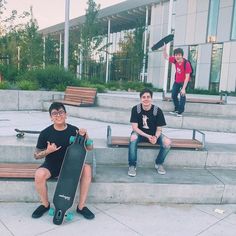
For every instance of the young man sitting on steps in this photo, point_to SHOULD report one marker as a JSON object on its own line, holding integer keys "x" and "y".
{"x": 52, "y": 144}
{"x": 147, "y": 121}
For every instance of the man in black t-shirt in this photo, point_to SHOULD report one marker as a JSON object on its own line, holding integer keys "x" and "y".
{"x": 147, "y": 121}
{"x": 52, "y": 144}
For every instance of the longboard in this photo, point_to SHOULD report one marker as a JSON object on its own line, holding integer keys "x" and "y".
{"x": 162, "y": 42}
{"x": 21, "y": 133}
{"x": 68, "y": 180}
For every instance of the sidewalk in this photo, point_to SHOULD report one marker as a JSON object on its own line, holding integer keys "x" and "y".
{"x": 114, "y": 219}
{"x": 119, "y": 219}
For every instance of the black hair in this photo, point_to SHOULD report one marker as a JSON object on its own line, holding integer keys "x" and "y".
{"x": 57, "y": 106}
{"x": 146, "y": 90}
{"x": 179, "y": 51}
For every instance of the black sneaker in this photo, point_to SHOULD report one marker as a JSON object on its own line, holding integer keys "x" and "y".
{"x": 40, "y": 211}
{"x": 173, "y": 112}
{"x": 86, "y": 213}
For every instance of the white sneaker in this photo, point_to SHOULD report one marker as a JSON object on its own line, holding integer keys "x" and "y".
{"x": 132, "y": 171}
{"x": 160, "y": 169}
{"x": 179, "y": 114}
{"x": 173, "y": 112}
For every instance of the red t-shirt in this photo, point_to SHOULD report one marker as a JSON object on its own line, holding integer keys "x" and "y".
{"x": 180, "y": 72}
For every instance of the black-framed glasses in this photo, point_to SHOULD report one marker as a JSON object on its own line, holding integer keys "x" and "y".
{"x": 58, "y": 113}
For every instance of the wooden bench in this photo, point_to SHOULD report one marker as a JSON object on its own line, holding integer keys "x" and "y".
{"x": 78, "y": 96}
{"x": 18, "y": 170}
{"x": 27, "y": 170}
{"x": 119, "y": 141}
{"x": 221, "y": 100}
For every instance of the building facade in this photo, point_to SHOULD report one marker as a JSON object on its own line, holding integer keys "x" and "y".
{"x": 205, "y": 29}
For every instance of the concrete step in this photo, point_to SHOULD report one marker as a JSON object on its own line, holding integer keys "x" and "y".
{"x": 188, "y": 121}
{"x": 112, "y": 185}
{"x": 215, "y": 155}
{"x": 121, "y": 101}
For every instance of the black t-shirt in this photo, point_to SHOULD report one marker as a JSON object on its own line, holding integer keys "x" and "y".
{"x": 147, "y": 121}
{"x": 60, "y": 138}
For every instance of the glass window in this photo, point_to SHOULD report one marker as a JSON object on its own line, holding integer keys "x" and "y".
{"x": 213, "y": 20}
{"x": 192, "y": 57}
{"x": 216, "y": 58}
{"x": 233, "y": 34}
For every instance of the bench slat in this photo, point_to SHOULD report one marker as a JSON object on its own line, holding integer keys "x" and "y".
{"x": 18, "y": 170}
{"x": 176, "y": 143}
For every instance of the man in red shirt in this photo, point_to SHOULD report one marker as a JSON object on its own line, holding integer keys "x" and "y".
{"x": 182, "y": 76}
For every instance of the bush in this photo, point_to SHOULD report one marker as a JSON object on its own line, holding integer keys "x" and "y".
{"x": 27, "y": 85}
{"x": 50, "y": 78}
{"x": 5, "y": 85}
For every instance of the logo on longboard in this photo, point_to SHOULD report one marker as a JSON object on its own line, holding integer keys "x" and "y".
{"x": 65, "y": 197}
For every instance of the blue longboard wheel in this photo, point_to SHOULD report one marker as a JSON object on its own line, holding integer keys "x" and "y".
{"x": 72, "y": 139}
{"x": 51, "y": 212}
{"x": 69, "y": 216}
{"x": 89, "y": 142}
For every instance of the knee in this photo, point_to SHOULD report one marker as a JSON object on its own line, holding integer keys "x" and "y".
{"x": 40, "y": 175}
{"x": 87, "y": 172}
{"x": 167, "y": 142}
{"x": 133, "y": 137}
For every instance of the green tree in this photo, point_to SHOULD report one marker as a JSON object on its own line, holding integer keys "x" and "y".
{"x": 91, "y": 37}
{"x": 127, "y": 63}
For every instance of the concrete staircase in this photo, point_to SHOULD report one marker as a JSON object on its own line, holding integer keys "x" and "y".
{"x": 115, "y": 108}
{"x": 206, "y": 176}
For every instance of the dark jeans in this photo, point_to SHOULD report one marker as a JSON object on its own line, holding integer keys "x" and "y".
{"x": 179, "y": 104}
{"x": 133, "y": 150}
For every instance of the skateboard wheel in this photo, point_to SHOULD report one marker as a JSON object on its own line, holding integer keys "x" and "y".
{"x": 69, "y": 216}
{"x": 89, "y": 142}
{"x": 20, "y": 135}
{"x": 51, "y": 212}
{"x": 72, "y": 139}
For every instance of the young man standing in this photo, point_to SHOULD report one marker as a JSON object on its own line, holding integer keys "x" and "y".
{"x": 147, "y": 121}
{"x": 52, "y": 144}
{"x": 182, "y": 76}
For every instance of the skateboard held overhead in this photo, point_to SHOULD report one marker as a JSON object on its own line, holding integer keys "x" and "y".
{"x": 162, "y": 42}
{"x": 68, "y": 179}
{"x": 21, "y": 133}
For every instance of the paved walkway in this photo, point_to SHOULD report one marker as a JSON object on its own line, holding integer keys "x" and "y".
{"x": 119, "y": 219}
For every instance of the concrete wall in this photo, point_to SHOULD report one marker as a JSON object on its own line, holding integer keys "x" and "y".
{"x": 11, "y": 100}
{"x": 190, "y": 21}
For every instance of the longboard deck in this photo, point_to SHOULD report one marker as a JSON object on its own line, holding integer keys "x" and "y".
{"x": 21, "y": 133}
{"x": 163, "y": 41}
{"x": 69, "y": 178}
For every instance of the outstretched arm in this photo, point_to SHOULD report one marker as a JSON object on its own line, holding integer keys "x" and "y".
{"x": 165, "y": 54}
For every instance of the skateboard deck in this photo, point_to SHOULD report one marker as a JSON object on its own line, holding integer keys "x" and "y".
{"x": 68, "y": 179}
{"x": 162, "y": 42}
{"x": 21, "y": 133}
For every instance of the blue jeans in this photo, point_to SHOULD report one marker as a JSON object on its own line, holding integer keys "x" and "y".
{"x": 133, "y": 149}
{"x": 179, "y": 104}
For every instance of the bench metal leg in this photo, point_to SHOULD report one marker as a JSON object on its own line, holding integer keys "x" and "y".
{"x": 202, "y": 135}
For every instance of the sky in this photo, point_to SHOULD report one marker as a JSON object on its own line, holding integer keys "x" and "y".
{"x": 51, "y": 12}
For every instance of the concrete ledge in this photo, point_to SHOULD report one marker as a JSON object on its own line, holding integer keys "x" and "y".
{"x": 112, "y": 185}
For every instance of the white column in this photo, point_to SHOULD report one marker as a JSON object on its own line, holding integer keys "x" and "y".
{"x": 66, "y": 35}
{"x": 60, "y": 44}
{"x": 168, "y": 45}
{"x": 18, "y": 57}
{"x": 145, "y": 44}
{"x": 108, "y": 49}
{"x": 44, "y": 49}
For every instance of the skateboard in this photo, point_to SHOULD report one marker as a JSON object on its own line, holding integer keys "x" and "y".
{"x": 68, "y": 179}
{"x": 21, "y": 133}
{"x": 162, "y": 42}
